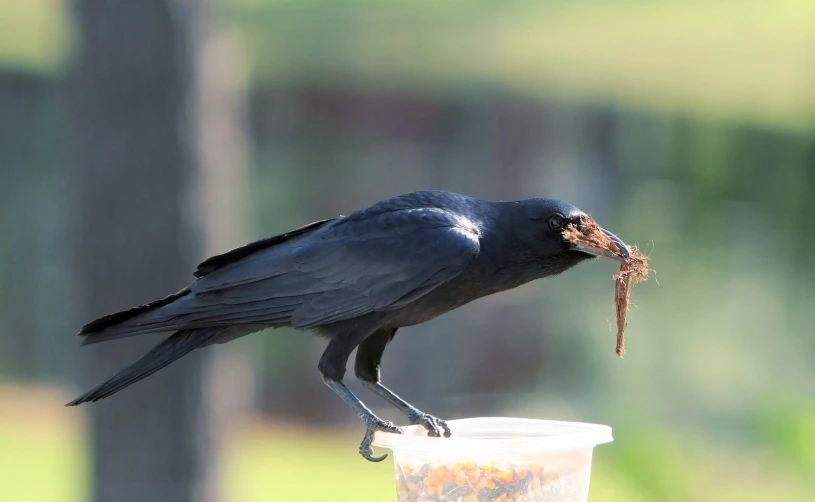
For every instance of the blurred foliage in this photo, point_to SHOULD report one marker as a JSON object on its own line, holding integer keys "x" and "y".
{"x": 34, "y": 35}
{"x": 739, "y": 60}
{"x": 788, "y": 429}
{"x": 734, "y": 59}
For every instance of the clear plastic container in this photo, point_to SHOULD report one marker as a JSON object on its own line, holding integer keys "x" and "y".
{"x": 495, "y": 459}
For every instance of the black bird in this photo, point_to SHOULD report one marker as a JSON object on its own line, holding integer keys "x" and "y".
{"x": 356, "y": 280}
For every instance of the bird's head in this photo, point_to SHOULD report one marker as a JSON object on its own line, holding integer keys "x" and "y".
{"x": 541, "y": 225}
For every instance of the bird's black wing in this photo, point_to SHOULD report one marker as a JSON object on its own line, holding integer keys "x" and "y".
{"x": 215, "y": 262}
{"x": 353, "y": 266}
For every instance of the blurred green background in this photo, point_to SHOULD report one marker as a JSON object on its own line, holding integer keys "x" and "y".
{"x": 687, "y": 127}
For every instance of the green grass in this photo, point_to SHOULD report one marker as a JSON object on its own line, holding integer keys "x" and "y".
{"x": 42, "y": 449}
{"x": 42, "y": 464}
{"x": 264, "y": 464}
{"x": 43, "y": 459}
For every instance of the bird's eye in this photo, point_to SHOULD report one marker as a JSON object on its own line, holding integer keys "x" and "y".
{"x": 556, "y": 223}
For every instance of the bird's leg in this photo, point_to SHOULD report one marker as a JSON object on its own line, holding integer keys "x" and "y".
{"x": 332, "y": 366}
{"x": 372, "y": 422}
{"x": 369, "y": 357}
{"x": 434, "y": 425}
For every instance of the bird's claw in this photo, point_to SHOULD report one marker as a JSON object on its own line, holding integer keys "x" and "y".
{"x": 433, "y": 425}
{"x": 370, "y": 428}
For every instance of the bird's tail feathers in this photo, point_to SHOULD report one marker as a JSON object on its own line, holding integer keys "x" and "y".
{"x": 139, "y": 320}
{"x": 176, "y": 346}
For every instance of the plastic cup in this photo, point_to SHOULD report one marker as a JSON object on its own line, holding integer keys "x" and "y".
{"x": 495, "y": 459}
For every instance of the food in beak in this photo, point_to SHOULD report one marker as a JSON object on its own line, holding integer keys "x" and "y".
{"x": 634, "y": 267}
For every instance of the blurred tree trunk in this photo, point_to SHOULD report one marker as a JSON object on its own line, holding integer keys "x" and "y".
{"x": 135, "y": 162}
{"x": 221, "y": 189}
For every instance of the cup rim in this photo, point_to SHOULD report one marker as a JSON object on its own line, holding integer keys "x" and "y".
{"x": 499, "y": 435}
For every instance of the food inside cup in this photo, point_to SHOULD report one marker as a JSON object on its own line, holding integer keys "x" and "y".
{"x": 495, "y": 459}
{"x": 565, "y": 479}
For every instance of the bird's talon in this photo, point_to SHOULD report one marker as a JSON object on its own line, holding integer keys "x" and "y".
{"x": 369, "y": 455}
{"x": 365, "y": 447}
{"x": 433, "y": 425}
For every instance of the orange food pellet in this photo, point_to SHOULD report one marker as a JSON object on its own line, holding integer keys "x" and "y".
{"x": 504, "y": 476}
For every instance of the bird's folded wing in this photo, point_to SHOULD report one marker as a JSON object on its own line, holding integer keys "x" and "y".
{"x": 347, "y": 269}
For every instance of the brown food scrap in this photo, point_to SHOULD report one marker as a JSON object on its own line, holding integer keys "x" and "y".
{"x": 634, "y": 269}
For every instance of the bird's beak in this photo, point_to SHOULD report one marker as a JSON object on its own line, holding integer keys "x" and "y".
{"x": 605, "y": 253}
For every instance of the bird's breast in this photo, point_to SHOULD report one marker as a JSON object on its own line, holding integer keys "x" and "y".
{"x": 447, "y": 297}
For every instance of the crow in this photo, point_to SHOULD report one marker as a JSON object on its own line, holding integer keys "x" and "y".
{"x": 356, "y": 280}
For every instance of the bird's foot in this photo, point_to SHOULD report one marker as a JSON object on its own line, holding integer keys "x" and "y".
{"x": 434, "y": 425}
{"x": 372, "y": 425}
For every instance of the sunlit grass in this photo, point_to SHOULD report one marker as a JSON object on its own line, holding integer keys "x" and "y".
{"x": 42, "y": 452}
{"x": 279, "y": 463}
{"x": 43, "y": 458}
